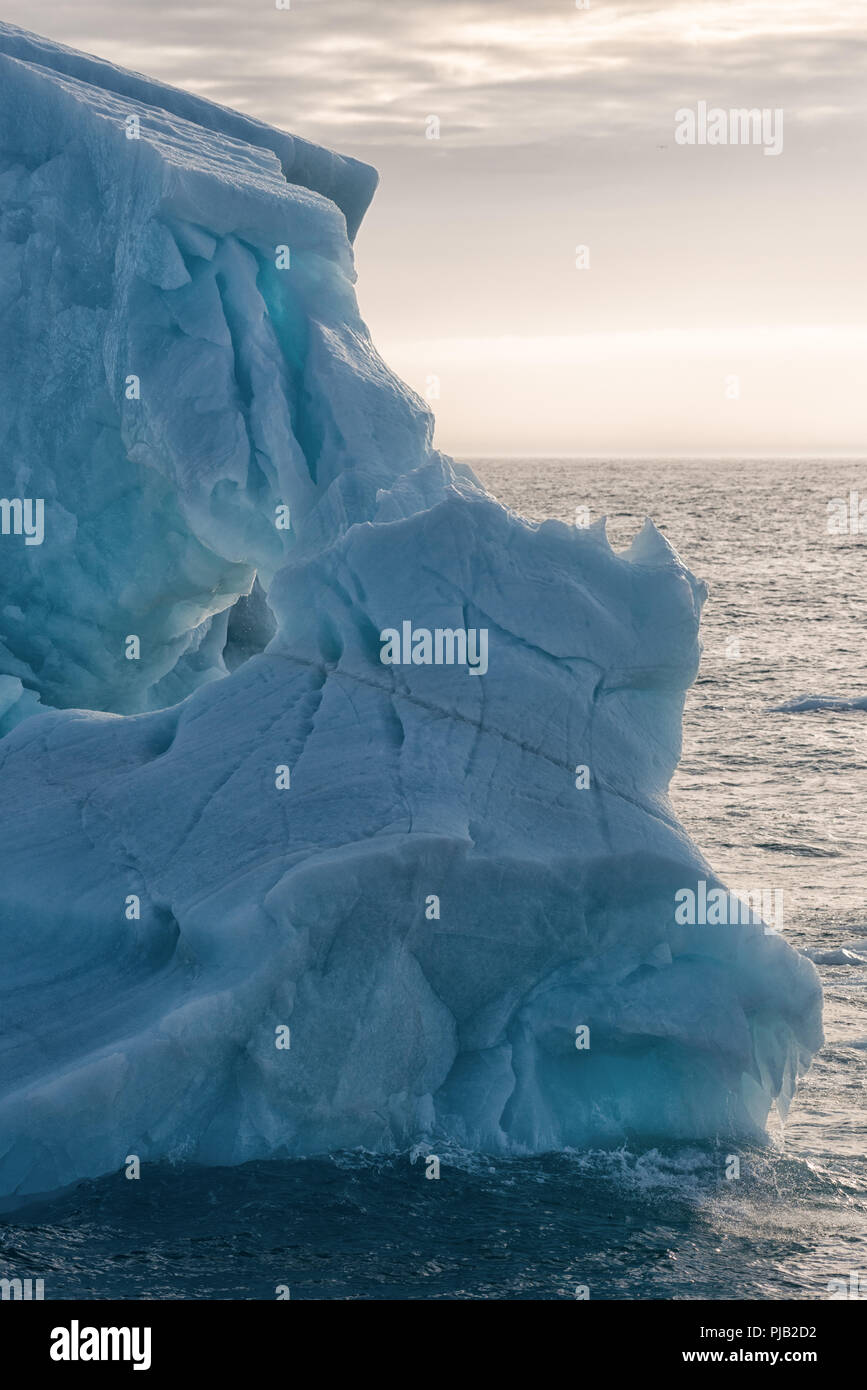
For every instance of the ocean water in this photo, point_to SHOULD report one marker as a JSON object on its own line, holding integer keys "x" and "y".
{"x": 773, "y": 799}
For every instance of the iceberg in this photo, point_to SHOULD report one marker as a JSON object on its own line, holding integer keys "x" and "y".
{"x": 274, "y": 882}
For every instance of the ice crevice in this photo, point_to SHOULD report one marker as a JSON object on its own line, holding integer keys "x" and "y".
{"x": 432, "y": 904}
{"x": 412, "y": 697}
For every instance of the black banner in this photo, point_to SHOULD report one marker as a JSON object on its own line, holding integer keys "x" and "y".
{"x": 65, "y": 1338}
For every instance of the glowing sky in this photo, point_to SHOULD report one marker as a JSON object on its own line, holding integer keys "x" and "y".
{"x": 557, "y": 130}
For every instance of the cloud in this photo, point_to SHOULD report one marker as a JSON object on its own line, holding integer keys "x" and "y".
{"x": 353, "y": 72}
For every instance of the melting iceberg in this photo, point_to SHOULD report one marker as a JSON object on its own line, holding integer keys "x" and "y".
{"x": 265, "y": 893}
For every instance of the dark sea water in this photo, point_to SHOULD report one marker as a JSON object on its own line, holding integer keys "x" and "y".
{"x": 778, "y": 799}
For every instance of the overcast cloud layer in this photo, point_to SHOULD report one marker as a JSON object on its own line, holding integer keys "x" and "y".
{"x": 498, "y": 72}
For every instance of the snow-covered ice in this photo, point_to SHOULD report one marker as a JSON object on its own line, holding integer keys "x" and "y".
{"x": 436, "y": 905}
{"x": 808, "y": 704}
{"x": 837, "y": 956}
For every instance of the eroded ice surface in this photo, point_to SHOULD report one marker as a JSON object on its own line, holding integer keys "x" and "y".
{"x": 309, "y": 906}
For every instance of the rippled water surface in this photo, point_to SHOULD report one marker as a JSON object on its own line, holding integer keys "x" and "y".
{"x": 773, "y": 799}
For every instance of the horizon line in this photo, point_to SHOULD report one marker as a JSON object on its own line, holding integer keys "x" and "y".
{"x": 664, "y": 457}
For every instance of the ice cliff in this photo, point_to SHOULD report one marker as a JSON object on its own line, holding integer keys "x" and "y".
{"x": 261, "y": 893}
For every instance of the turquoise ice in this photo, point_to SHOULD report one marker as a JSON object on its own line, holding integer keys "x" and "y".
{"x": 262, "y": 894}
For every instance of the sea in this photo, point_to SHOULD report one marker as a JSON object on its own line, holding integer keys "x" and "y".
{"x": 772, "y": 796}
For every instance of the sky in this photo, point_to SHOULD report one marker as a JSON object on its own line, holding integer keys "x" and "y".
{"x": 720, "y": 305}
